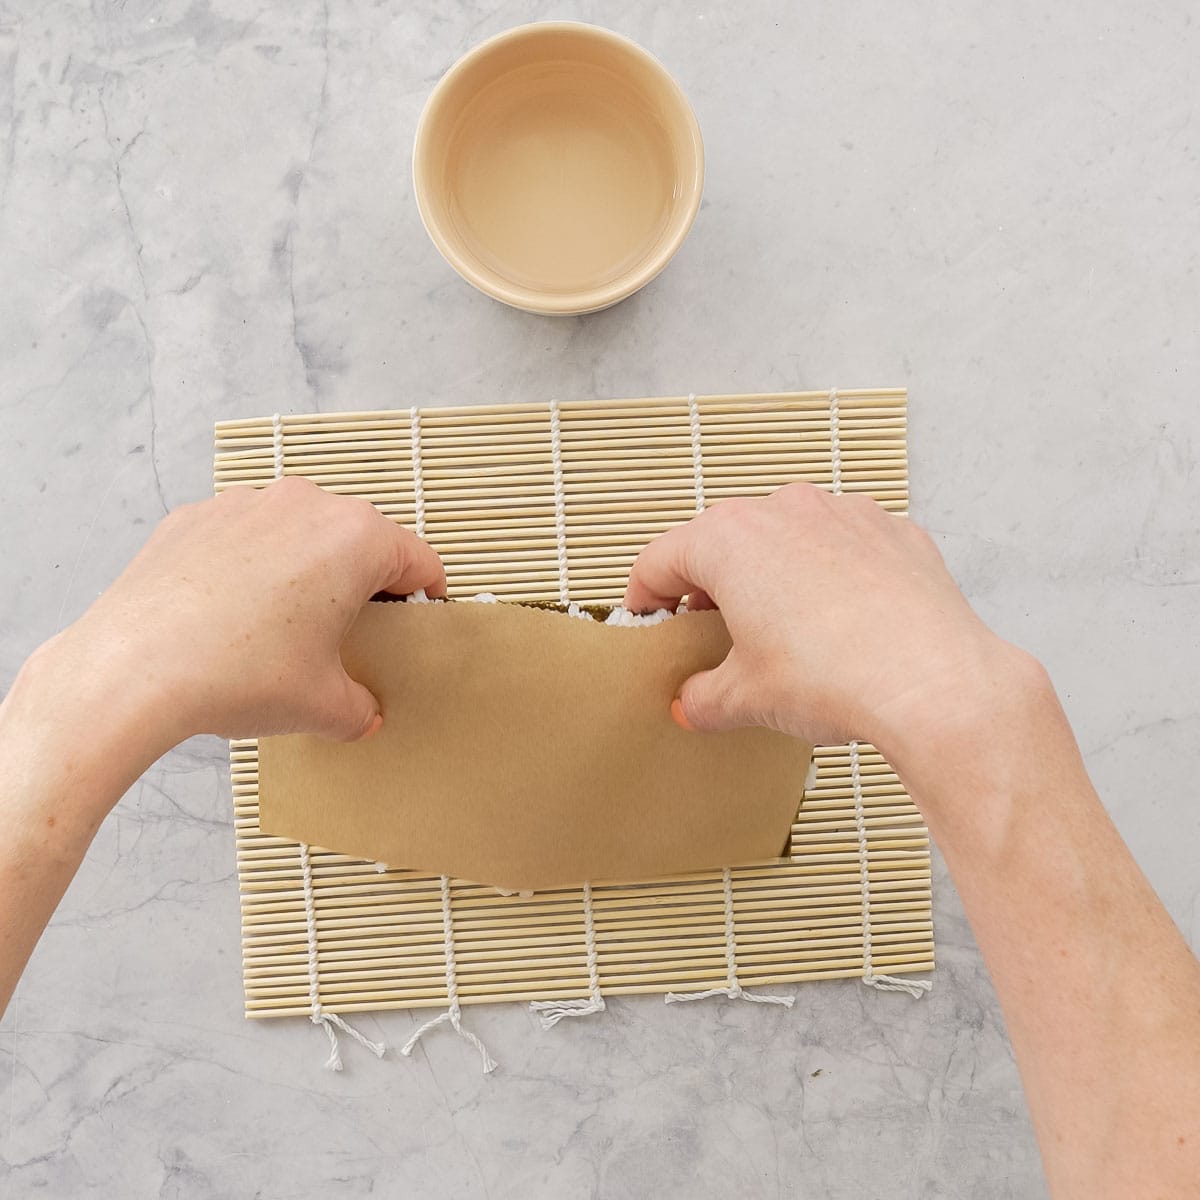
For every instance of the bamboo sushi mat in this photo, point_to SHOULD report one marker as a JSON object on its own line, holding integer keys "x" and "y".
{"x": 496, "y": 490}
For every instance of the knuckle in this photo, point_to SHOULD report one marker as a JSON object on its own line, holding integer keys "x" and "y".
{"x": 800, "y": 493}
{"x": 861, "y": 503}
{"x": 294, "y": 486}
{"x": 730, "y": 515}
{"x": 717, "y": 528}
{"x": 362, "y": 515}
{"x": 740, "y": 520}
{"x": 796, "y": 498}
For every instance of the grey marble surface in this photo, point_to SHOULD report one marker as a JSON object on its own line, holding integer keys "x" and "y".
{"x": 205, "y": 212}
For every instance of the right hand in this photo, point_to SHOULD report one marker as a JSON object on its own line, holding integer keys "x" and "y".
{"x": 845, "y": 622}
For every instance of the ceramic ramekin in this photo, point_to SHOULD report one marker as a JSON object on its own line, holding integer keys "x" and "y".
{"x": 558, "y": 167}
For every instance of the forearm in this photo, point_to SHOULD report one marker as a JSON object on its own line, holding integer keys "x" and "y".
{"x": 229, "y": 621}
{"x": 74, "y": 735}
{"x": 1100, "y": 992}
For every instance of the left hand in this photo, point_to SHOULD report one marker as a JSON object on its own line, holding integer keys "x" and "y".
{"x": 230, "y": 619}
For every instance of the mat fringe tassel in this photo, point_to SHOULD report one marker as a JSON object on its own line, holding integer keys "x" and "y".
{"x": 319, "y": 1016}
{"x": 453, "y": 1015}
{"x": 733, "y": 989}
{"x": 884, "y": 983}
{"x": 550, "y": 1012}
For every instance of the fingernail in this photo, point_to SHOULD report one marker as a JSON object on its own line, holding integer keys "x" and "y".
{"x": 374, "y": 729}
{"x": 678, "y": 717}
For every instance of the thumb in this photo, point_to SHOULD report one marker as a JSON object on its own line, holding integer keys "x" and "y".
{"x": 347, "y": 712}
{"x": 712, "y": 701}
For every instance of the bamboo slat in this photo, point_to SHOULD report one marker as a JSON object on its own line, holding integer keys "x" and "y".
{"x": 628, "y": 473}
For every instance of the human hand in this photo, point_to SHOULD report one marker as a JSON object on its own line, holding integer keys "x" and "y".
{"x": 845, "y": 622}
{"x": 230, "y": 619}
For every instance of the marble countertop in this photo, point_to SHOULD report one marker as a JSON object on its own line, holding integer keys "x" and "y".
{"x": 205, "y": 212}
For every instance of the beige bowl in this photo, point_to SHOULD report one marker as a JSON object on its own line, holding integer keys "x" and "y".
{"x": 558, "y": 167}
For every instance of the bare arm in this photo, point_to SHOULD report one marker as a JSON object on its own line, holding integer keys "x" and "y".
{"x": 228, "y": 622}
{"x": 845, "y": 625}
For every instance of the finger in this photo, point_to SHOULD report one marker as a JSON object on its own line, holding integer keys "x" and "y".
{"x": 699, "y": 601}
{"x": 407, "y": 563}
{"x": 716, "y": 700}
{"x": 664, "y": 573}
{"x": 346, "y": 711}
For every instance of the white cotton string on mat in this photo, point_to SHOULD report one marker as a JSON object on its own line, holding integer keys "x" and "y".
{"x": 835, "y": 442}
{"x": 550, "y": 1012}
{"x": 453, "y": 1015}
{"x": 318, "y": 1015}
{"x": 277, "y": 444}
{"x": 697, "y": 451}
{"x": 414, "y": 425}
{"x": 697, "y": 466}
{"x": 885, "y": 983}
{"x": 733, "y": 989}
{"x": 560, "y": 505}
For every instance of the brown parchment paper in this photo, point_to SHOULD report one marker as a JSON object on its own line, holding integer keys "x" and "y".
{"x": 527, "y": 749}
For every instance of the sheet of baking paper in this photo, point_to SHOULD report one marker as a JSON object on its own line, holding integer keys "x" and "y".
{"x": 527, "y": 749}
